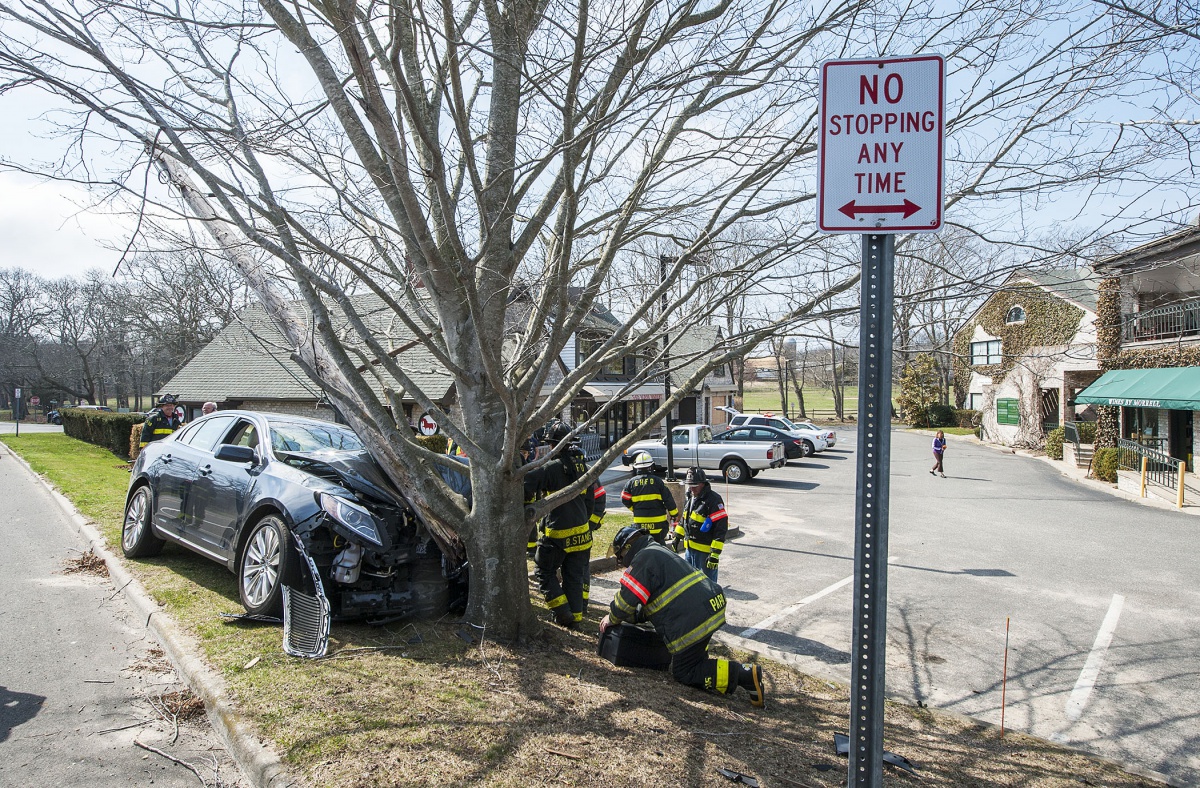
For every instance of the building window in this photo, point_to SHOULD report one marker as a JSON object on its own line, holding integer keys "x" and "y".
{"x": 1015, "y": 315}
{"x": 984, "y": 353}
{"x": 974, "y": 401}
{"x": 1008, "y": 411}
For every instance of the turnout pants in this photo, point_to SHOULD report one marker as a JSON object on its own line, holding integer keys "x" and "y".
{"x": 567, "y": 598}
{"x": 695, "y": 668}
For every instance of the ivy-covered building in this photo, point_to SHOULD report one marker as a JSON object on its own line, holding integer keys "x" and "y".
{"x": 1024, "y": 353}
{"x": 1150, "y": 344}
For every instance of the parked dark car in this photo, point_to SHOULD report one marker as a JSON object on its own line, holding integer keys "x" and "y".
{"x": 793, "y": 447}
{"x": 299, "y": 511}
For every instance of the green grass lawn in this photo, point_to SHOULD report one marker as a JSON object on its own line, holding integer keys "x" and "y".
{"x": 762, "y": 396}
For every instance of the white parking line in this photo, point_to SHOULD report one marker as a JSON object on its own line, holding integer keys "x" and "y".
{"x": 766, "y": 622}
{"x": 1091, "y": 668}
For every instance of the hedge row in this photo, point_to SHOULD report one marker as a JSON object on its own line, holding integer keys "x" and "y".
{"x": 110, "y": 430}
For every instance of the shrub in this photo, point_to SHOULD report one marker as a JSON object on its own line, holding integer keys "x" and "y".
{"x": 965, "y": 417}
{"x": 435, "y": 443}
{"x": 1087, "y": 431}
{"x": 1054, "y": 443}
{"x": 1104, "y": 464}
{"x": 940, "y": 415}
{"x": 101, "y": 428}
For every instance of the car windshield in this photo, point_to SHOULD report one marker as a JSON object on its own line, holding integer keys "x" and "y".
{"x": 291, "y": 436}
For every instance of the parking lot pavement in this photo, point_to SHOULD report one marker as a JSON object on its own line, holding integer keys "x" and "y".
{"x": 1099, "y": 594}
{"x": 12, "y": 427}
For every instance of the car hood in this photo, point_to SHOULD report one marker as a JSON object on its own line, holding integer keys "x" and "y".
{"x": 355, "y": 470}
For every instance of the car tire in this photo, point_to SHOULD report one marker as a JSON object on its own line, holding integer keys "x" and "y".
{"x": 265, "y": 563}
{"x": 809, "y": 449}
{"x": 735, "y": 471}
{"x": 138, "y": 539}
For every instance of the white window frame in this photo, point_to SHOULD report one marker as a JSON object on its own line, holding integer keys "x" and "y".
{"x": 1007, "y": 314}
{"x": 986, "y": 353}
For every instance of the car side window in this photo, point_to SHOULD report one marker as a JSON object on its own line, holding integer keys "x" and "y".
{"x": 244, "y": 434}
{"x": 203, "y": 435}
{"x": 777, "y": 424}
{"x": 764, "y": 435}
{"x": 738, "y": 435}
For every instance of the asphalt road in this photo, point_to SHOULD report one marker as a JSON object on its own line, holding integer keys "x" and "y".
{"x": 79, "y": 673}
{"x": 1100, "y": 595}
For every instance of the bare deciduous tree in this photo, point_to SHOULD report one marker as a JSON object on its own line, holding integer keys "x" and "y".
{"x": 482, "y": 169}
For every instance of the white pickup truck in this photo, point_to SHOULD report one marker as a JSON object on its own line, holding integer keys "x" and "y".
{"x": 692, "y": 445}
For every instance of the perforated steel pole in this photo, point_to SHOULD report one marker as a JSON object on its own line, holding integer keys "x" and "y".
{"x": 871, "y": 512}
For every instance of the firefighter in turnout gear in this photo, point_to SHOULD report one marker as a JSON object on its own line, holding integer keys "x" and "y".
{"x": 160, "y": 422}
{"x": 685, "y": 607}
{"x": 704, "y": 523}
{"x": 564, "y": 534}
{"x": 649, "y": 498}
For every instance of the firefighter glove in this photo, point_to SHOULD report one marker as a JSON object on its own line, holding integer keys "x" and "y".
{"x": 711, "y": 563}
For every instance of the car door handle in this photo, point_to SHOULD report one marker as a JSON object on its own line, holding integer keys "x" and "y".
{"x": 206, "y": 470}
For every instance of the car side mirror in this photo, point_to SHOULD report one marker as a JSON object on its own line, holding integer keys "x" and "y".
{"x": 234, "y": 453}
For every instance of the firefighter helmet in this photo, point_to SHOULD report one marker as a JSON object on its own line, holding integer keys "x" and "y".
{"x": 695, "y": 476}
{"x": 624, "y": 542}
{"x": 643, "y": 460}
{"x": 556, "y": 431}
{"x": 166, "y": 399}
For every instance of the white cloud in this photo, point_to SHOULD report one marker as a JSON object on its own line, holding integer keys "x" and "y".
{"x": 45, "y": 231}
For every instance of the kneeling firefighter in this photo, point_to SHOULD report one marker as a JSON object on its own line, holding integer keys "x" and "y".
{"x": 564, "y": 540}
{"x": 685, "y": 607}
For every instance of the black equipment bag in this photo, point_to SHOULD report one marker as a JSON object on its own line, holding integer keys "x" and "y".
{"x": 634, "y": 646}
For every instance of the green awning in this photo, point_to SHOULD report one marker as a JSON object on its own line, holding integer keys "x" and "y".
{"x": 1174, "y": 388}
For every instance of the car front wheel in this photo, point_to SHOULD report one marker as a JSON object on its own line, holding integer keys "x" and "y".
{"x": 138, "y": 539}
{"x": 265, "y": 562}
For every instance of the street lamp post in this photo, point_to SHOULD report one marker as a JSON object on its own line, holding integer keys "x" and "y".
{"x": 662, "y": 278}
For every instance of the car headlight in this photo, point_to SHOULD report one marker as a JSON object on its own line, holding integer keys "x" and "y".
{"x": 354, "y": 517}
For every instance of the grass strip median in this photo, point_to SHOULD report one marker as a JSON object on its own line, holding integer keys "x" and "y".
{"x": 414, "y": 703}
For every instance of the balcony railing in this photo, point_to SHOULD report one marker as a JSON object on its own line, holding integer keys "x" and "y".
{"x": 1164, "y": 322}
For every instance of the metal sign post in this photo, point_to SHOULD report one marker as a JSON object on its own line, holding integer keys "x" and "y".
{"x": 17, "y": 411}
{"x": 880, "y": 163}
{"x": 871, "y": 512}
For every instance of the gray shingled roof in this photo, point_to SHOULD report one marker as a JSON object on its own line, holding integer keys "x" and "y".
{"x": 1078, "y": 285}
{"x": 697, "y": 340}
{"x": 249, "y": 359}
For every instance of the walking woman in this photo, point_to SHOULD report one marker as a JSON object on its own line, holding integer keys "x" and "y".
{"x": 939, "y": 448}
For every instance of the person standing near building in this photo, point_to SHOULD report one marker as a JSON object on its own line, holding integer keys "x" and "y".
{"x": 703, "y": 524}
{"x": 564, "y": 540}
{"x": 160, "y": 422}
{"x": 207, "y": 408}
{"x": 649, "y": 498}
{"x": 685, "y": 607}
{"x": 939, "y": 449}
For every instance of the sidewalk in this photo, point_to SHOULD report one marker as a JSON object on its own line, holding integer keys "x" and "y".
{"x": 1078, "y": 475}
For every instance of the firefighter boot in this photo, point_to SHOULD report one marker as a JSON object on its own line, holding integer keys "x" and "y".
{"x": 754, "y": 681}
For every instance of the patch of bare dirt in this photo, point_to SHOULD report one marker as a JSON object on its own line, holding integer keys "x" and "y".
{"x": 440, "y": 712}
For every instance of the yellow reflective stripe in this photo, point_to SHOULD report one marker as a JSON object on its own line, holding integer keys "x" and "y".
{"x": 717, "y": 545}
{"x": 689, "y": 580}
{"x": 577, "y": 616}
{"x": 595, "y": 518}
{"x": 142, "y": 445}
{"x": 662, "y": 518}
{"x": 622, "y": 605}
{"x": 696, "y": 516}
{"x": 586, "y": 591}
{"x": 699, "y": 547}
{"x": 723, "y": 676}
{"x": 162, "y": 432}
{"x": 643, "y": 498}
{"x": 558, "y": 601}
{"x": 577, "y": 548}
{"x": 710, "y": 626}
{"x": 562, "y": 533}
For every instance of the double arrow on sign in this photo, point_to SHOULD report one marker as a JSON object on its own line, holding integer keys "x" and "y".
{"x": 908, "y": 209}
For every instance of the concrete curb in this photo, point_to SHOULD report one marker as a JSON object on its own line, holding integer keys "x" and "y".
{"x": 261, "y": 765}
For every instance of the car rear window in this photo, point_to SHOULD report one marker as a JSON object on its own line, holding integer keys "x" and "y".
{"x": 288, "y": 436}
